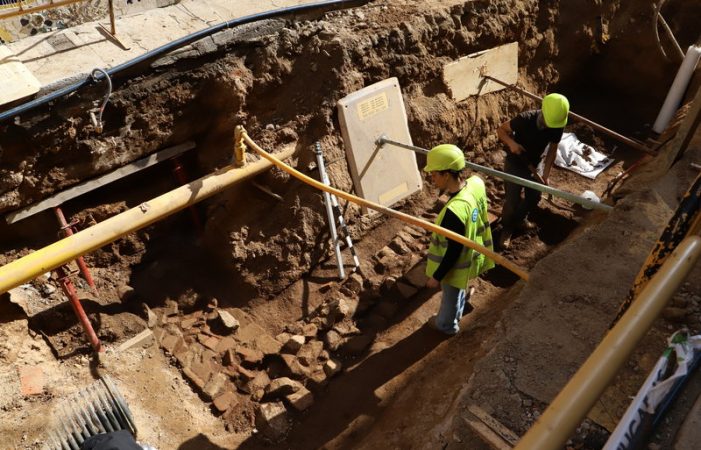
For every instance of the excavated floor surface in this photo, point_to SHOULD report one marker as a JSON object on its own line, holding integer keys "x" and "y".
{"x": 198, "y": 384}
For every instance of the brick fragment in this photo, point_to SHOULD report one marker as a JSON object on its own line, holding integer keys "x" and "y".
{"x": 225, "y": 344}
{"x": 169, "y": 342}
{"x": 249, "y": 355}
{"x": 31, "y": 380}
{"x": 214, "y": 385}
{"x": 224, "y": 401}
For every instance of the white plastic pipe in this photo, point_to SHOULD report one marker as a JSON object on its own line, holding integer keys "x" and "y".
{"x": 676, "y": 92}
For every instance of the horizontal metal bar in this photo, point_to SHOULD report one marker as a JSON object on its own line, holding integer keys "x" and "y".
{"x": 511, "y": 178}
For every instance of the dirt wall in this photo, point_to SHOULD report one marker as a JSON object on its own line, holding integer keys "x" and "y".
{"x": 263, "y": 82}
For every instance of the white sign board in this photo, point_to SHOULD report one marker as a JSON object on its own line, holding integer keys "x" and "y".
{"x": 384, "y": 174}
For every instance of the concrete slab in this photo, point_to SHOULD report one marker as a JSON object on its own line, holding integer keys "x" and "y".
{"x": 463, "y": 77}
{"x": 383, "y": 175}
{"x": 60, "y": 57}
{"x": 18, "y": 82}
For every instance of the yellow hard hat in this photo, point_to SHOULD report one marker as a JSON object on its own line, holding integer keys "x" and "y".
{"x": 445, "y": 157}
{"x": 555, "y": 109}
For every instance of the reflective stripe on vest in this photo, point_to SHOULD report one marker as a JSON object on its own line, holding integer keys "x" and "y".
{"x": 470, "y": 206}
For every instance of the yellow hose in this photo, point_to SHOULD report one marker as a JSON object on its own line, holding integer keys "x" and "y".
{"x": 390, "y": 212}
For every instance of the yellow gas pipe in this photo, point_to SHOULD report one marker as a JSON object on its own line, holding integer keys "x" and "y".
{"x": 390, "y": 212}
{"x": 69, "y": 248}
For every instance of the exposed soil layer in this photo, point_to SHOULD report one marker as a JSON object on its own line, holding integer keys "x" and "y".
{"x": 240, "y": 292}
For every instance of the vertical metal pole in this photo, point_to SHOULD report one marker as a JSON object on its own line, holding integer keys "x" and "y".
{"x": 329, "y": 210}
{"x": 69, "y": 290}
{"x": 181, "y": 176}
{"x": 68, "y": 231}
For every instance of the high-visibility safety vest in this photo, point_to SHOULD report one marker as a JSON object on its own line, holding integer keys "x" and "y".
{"x": 470, "y": 206}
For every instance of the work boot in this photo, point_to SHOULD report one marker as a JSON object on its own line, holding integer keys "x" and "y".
{"x": 527, "y": 225}
{"x": 433, "y": 325}
{"x": 504, "y": 241}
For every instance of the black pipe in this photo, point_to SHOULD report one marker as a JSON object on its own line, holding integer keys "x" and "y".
{"x": 183, "y": 41}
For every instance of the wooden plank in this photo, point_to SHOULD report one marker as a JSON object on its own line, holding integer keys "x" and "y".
{"x": 464, "y": 76}
{"x": 496, "y": 426}
{"x": 17, "y": 81}
{"x": 87, "y": 186}
{"x": 487, "y": 435}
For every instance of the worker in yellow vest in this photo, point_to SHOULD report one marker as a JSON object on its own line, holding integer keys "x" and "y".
{"x": 450, "y": 265}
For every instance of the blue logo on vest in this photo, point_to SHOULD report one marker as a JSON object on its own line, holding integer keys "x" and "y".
{"x": 475, "y": 215}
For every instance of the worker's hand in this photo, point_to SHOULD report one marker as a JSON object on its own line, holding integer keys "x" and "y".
{"x": 517, "y": 148}
{"x": 432, "y": 283}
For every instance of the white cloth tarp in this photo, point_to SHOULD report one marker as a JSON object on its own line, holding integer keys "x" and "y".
{"x": 579, "y": 157}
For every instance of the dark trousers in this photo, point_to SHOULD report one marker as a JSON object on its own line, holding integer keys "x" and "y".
{"x": 516, "y": 209}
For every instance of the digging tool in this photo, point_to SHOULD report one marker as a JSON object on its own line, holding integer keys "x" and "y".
{"x": 619, "y": 137}
{"x": 382, "y": 140}
{"x": 98, "y": 408}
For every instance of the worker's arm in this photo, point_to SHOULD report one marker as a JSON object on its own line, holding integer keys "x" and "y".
{"x": 453, "y": 223}
{"x": 505, "y": 133}
{"x": 549, "y": 160}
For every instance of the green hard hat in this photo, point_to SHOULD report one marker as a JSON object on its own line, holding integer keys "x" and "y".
{"x": 445, "y": 157}
{"x": 555, "y": 108}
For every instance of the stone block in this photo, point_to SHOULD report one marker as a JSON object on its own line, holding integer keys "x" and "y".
{"x": 399, "y": 246}
{"x": 294, "y": 368}
{"x": 354, "y": 283}
{"x": 332, "y": 367}
{"x": 271, "y": 420}
{"x": 229, "y": 358}
{"x": 185, "y": 357}
{"x": 171, "y": 308}
{"x": 333, "y": 340}
{"x": 417, "y": 276}
{"x": 309, "y": 330}
{"x": 283, "y": 338}
{"x": 294, "y": 343}
{"x": 228, "y": 320}
{"x": 309, "y": 353}
{"x": 211, "y": 343}
{"x": 281, "y": 387}
{"x": 301, "y": 400}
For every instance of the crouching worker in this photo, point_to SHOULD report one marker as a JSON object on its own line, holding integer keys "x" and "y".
{"x": 450, "y": 265}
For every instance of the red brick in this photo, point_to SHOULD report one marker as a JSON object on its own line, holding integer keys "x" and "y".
{"x": 249, "y": 355}
{"x": 169, "y": 342}
{"x": 31, "y": 380}
{"x": 225, "y": 344}
{"x": 224, "y": 401}
{"x": 211, "y": 342}
{"x": 230, "y": 358}
{"x": 194, "y": 378}
{"x": 202, "y": 370}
